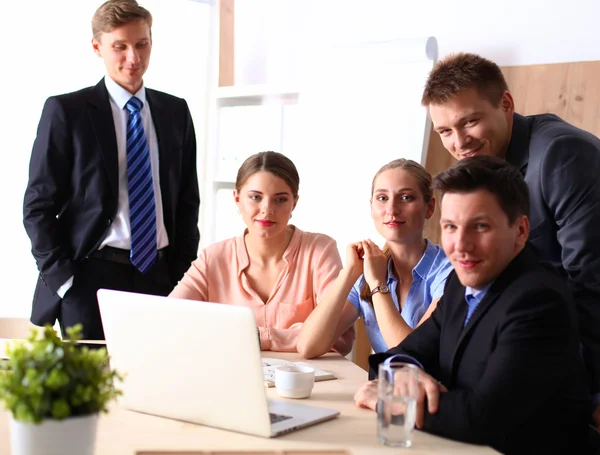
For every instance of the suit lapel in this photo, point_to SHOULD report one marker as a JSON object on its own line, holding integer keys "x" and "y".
{"x": 456, "y": 308}
{"x": 161, "y": 120}
{"x": 457, "y": 324}
{"x": 101, "y": 118}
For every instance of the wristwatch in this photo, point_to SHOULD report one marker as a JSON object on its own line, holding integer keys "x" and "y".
{"x": 383, "y": 288}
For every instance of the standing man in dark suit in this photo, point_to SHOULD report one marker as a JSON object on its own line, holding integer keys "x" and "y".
{"x": 112, "y": 199}
{"x": 474, "y": 114}
{"x": 503, "y": 340}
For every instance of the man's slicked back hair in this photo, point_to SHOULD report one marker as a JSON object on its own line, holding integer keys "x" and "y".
{"x": 489, "y": 173}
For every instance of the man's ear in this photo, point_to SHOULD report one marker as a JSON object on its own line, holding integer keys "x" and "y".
{"x": 96, "y": 47}
{"x": 522, "y": 230}
{"x": 507, "y": 103}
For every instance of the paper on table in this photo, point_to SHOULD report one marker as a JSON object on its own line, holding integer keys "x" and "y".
{"x": 269, "y": 365}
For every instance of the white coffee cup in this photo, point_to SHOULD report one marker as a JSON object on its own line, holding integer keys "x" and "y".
{"x": 294, "y": 381}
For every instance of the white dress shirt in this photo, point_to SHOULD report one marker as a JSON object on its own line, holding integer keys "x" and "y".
{"x": 119, "y": 232}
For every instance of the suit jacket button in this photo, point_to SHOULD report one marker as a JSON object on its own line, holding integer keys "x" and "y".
{"x": 108, "y": 222}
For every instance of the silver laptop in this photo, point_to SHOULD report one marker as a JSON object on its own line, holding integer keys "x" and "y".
{"x": 197, "y": 362}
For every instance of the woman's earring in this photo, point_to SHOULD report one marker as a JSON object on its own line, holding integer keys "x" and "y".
{"x": 290, "y": 216}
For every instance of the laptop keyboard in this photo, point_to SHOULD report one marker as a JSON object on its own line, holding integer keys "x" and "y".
{"x": 278, "y": 417}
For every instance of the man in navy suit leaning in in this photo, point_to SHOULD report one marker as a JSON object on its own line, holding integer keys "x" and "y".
{"x": 112, "y": 199}
{"x": 499, "y": 357}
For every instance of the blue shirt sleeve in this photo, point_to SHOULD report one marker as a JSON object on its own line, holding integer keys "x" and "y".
{"x": 354, "y": 296}
{"x": 441, "y": 274}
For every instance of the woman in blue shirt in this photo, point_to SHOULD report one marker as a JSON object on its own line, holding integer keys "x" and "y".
{"x": 390, "y": 288}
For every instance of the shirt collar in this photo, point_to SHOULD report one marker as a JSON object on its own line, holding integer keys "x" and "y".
{"x": 120, "y": 96}
{"x": 423, "y": 266}
{"x": 243, "y": 259}
{"x": 477, "y": 294}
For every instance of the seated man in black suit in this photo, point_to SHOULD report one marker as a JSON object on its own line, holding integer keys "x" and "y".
{"x": 500, "y": 355}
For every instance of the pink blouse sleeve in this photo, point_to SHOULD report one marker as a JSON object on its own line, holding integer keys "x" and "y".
{"x": 194, "y": 284}
{"x": 282, "y": 340}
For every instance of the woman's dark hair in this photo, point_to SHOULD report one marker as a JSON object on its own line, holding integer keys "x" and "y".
{"x": 272, "y": 162}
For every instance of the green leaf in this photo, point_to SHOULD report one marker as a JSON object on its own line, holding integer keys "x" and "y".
{"x": 60, "y": 409}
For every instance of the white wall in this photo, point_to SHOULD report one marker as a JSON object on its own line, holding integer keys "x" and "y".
{"x": 272, "y": 33}
{"x": 46, "y": 50}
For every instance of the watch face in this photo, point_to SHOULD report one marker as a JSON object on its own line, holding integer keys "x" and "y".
{"x": 384, "y": 289}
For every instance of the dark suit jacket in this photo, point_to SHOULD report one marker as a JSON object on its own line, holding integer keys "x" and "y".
{"x": 561, "y": 165}
{"x": 72, "y": 194}
{"x": 514, "y": 374}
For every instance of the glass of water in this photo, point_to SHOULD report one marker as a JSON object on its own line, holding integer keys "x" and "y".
{"x": 397, "y": 403}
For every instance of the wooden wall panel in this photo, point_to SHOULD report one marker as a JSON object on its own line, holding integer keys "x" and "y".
{"x": 438, "y": 160}
{"x": 569, "y": 90}
{"x": 226, "y": 40}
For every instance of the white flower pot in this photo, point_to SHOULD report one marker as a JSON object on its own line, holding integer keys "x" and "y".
{"x": 72, "y": 436}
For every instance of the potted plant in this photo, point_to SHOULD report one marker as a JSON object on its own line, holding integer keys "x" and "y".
{"x": 55, "y": 390}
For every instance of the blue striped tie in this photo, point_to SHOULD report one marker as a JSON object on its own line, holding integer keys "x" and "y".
{"x": 472, "y": 304}
{"x": 142, "y": 210}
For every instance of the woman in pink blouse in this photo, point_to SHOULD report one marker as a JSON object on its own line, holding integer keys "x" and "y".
{"x": 274, "y": 268}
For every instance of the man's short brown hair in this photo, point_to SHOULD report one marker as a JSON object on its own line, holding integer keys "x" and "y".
{"x": 115, "y": 13}
{"x": 463, "y": 71}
